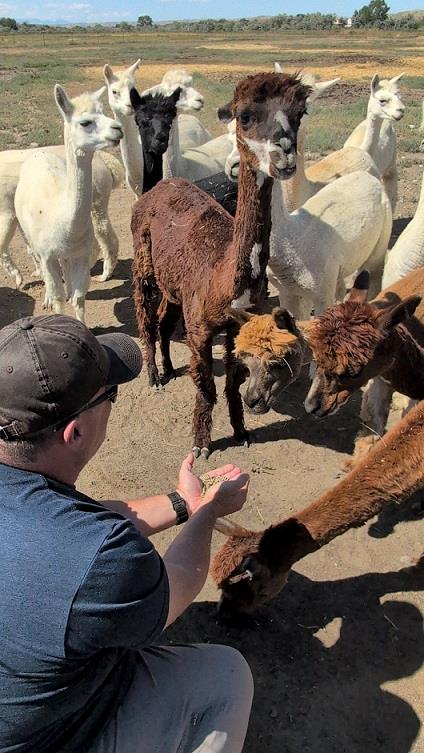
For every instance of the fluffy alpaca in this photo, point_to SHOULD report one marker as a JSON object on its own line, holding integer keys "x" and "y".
{"x": 376, "y": 134}
{"x": 107, "y": 175}
{"x": 408, "y": 252}
{"x": 358, "y": 341}
{"x": 54, "y": 196}
{"x": 190, "y": 255}
{"x": 273, "y": 348}
{"x": 376, "y": 139}
{"x": 252, "y": 567}
{"x": 345, "y": 227}
{"x": 119, "y": 85}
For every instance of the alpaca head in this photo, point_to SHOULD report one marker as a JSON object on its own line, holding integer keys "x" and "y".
{"x": 154, "y": 114}
{"x": 85, "y": 124}
{"x": 317, "y": 89}
{"x": 189, "y": 99}
{"x": 119, "y": 85}
{"x": 252, "y": 567}
{"x": 385, "y": 101}
{"x": 351, "y": 343}
{"x": 268, "y": 108}
{"x": 272, "y": 349}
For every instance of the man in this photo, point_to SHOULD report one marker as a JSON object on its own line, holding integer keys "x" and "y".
{"x": 84, "y": 596}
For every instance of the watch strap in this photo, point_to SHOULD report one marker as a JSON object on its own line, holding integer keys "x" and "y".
{"x": 180, "y": 507}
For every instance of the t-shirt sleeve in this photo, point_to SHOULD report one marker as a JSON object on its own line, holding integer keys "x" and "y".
{"x": 123, "y": 599}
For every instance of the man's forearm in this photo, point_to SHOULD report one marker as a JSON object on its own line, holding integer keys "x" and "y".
{"x": 149, "y": 514}
{"x": 187, "y": 560}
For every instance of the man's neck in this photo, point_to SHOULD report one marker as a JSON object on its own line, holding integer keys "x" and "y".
{"x": 54, "y": 468}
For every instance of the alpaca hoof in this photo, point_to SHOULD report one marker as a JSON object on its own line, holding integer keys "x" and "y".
{"x": 168, "y": 376}
{"x": 18, "y": 281}
{"x": 205, "y": 452}
{"x": 196, "y": 451}
{"x": 245, "y": 439}
{"x": 158, "y": 387}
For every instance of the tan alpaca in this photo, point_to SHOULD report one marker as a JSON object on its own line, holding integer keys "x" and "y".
{"x": 54, "y": 197}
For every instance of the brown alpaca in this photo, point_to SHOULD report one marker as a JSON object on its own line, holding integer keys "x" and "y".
{"x": 252, "y": 567}
{"x": 381, "y": 341}
{"x": 190, "y": 255}
{"x": 273, "y": 349}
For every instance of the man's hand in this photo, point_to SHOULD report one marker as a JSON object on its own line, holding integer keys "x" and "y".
{"x": 228, "y": 496}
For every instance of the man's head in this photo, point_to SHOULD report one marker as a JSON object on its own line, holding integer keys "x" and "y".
{"x": 55, "y": 388}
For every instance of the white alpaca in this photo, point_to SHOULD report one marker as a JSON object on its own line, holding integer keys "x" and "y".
{"x": 345, "y": 227}
{"x": 107, "y": 174}
{"x": 119, "y": 85}
{"x": 54, "y": 196}
{"x": 408, "y": 252}
{"x": 384, "y": 103}
{"x": 376, "y": 134}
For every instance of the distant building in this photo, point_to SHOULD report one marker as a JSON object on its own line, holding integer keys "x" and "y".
{"x": 339, "y": 21}
{"x": 348, "y": 23}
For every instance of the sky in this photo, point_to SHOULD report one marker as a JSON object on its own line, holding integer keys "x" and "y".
{"x": 160, "y": 10}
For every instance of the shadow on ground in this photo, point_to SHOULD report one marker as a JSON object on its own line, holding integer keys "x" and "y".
{"x": 319, "y": 655}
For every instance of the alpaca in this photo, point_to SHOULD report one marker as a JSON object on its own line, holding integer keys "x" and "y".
{"x": 298, "y": 188}
{"x": 53, "y": 200}
{"x": 357, "y": 341}
{"x": 273, "y": 349}
{"x": 344, "y": 227}
{"x": 376, "y": 150}
{"x": 119, "y": 85}
{"x": 252, "y": 567}
{"x": 107, "y": 175}
{"x": 376, "y": 134}
{"x": 408, "y": 252}
{"x": 190, "y": 255}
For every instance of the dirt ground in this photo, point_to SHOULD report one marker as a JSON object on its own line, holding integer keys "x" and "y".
{"x": 337, "y": 658}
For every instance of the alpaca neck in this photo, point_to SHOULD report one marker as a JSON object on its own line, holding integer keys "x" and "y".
{"x": 79, "y": 182}
{"x": 173, "y": 153}
{"x": 249, "y": 249}
{"x": 408, "y": 252}
{"x": 372, "y": 134}
{"x": 132, "y": 153}
{"x": 298, "y": 189}
{"x": 406, "y": 372}
{"x": 153, "y": 170}
{"x": 393, "y": 470}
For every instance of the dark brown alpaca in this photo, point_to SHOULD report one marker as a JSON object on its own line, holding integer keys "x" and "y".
{"x": 190, "y": 255}
{"x": 381, "y": 341}
{"x": 252, "y": 567}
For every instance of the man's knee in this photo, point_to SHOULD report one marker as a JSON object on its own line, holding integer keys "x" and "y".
{"x": 236, "y": 673}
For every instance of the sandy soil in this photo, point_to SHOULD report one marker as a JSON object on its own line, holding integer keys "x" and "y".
{"x": 337, "y": 658}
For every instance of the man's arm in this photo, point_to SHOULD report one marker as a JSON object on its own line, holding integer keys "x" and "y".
{"x": 156, "y": 513}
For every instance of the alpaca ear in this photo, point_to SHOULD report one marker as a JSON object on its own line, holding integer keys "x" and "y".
{"x": 63, "y": 102}
{"x": 278, "y": 68}
{"x": 99, "y": 93}
{"x": 239, "y": 315}
{"x": 230, "y": 528}
{"x": 320, "y": 87}
{"x": 225, "y": 113}
{"x": 395, "y": 79}
{"x": 176, "y": 94}
{"x": 374, "y": 83}
{"x": 108, "y": 74}
{"x": 399, "y": 312}
{"x": 284, "y": 319}
{"x": 132, "y": 69}
{"x": 283, "y": 544}
{"x": 135, "y": 98}
{"x": 359, "y": 290}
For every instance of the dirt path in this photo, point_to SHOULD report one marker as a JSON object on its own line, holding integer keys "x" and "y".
{"x": 337, "y": 658}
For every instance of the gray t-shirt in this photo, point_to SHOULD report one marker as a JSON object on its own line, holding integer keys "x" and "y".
{"x": 81, "y": 591}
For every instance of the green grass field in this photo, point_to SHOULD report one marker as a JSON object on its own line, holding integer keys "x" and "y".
{"x": 32, "y": 63}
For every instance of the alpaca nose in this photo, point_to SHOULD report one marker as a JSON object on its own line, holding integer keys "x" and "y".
{"x": 286, "y": 145}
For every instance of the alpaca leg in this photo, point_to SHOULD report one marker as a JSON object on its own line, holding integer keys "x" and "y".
{"x": 375, "y": 407}
{"x": 390, "y": 181}
{"x": 235, "y": 376}
{"x": 202, "y": 375}
{"x": 168, "y": 315}
{"x": 147, "y": 298}
{"x": 51, "y": 272}
{"x": 106, "y": 238}
{"x": 79, "y": 283}
{"x": 8, "y": 223}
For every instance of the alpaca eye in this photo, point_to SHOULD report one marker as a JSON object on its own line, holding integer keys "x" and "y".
{"x": 383, "y": 101}
{"x": 114, "y": 91}
{"x": 246, "y": 118}
{"x": 85, "y": 123}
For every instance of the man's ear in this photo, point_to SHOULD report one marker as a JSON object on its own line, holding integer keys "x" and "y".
{"x": 72, "y": 433}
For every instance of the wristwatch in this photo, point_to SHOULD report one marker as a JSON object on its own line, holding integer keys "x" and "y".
{"x": 180, "y": 507}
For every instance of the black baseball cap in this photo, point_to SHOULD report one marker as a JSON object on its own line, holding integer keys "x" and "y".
{"x": 51, "y": 366}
